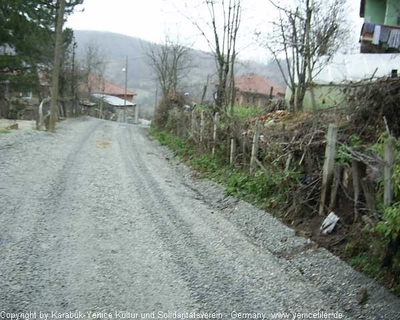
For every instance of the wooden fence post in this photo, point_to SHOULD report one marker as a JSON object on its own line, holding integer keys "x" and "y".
{"x": 356, "y": 173}
{"x": 389, "y": 161}
{"x": 330, "y": 153}
{"x": 193, "y": 126}
{"x": 254, "y": 148}
{"x": 202, "y": 125}
{"x": 233, "y": 151}
{"x": 244, "y": 149}
{"x": 288, "y": 161}
{"x": 137, "y": 114}
{"x": 216, "y": 122}
{"x": 337, "y": 171}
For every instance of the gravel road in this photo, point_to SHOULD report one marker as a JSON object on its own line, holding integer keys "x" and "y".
{"x": 99, "y": 219}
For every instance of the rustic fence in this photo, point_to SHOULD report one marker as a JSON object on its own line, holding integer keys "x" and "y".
{"x": 247, "y": 145}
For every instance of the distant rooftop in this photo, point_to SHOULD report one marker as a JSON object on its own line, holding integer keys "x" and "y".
{"x": 113, "y": 101}
{"x": 101, "y": 85}
{"x": 257, "y": 84}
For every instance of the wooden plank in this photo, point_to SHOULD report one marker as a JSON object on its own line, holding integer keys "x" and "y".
{"x": 369, "y": 194}
{"x": 233, "y": 151}
{"x": 193, "y": 126}
{"x": 330, "y": 153}
{"x": 215, "y": 131}
{"x": 388, "y": 179}
{"x": 335, "y": 186}
{"x": 356, "y": 173}
{"x": 244, "y": 149}
{"x": 202, "y": 121}
{"x": 254, "y": 148}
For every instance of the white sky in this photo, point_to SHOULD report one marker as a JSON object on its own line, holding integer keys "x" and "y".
{"x": 152, "y": 19}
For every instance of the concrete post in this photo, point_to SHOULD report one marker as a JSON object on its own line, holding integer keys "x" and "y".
{"x": 327, "y": 177}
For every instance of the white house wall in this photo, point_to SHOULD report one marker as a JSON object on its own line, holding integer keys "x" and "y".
{"x": 345, "y": 69}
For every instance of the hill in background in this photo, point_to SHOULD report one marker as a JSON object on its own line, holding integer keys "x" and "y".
{"x": 116, "y": 47}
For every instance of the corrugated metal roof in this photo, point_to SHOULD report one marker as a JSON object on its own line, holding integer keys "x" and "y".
{"x": 114, "y": 101}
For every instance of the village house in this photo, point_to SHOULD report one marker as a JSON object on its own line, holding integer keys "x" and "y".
{"x": 378, "y": 57}
{"x": 254, "y": 90}
{"x": 99, "y": 85}
{"x": 381, "y": 29}
{"x": 102, "y": 98}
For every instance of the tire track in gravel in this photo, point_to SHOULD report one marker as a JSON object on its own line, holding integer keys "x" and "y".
{"x": 100, "y": 254}
{"x": 188, "y": 254}
{"x": 110, "y": 246}
{"x": 223, "y": 271}
{"x": 112, "y": 226}
{"x": 34, "y": 215}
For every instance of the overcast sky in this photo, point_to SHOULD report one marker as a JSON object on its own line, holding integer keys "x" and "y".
{"x": 152, "y": 19}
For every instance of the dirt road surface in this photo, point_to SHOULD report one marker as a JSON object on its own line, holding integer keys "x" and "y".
{"x": 98, "y": 218}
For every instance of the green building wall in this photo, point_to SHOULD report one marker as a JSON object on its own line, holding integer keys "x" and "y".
{"x": 326, "y": 97}
{"x": 382, "y": 12}
{"x": 375, "y": 11}
{"x": 392, "y": 12}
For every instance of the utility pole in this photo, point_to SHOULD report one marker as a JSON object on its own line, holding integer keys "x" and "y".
{"x": 103, "y": 85}
{"x": 73, "y": 82}
{"x": 126, "y": 86}
{"x": 56, "y": 65}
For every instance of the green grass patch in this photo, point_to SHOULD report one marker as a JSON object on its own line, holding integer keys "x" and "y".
{"x": 246, "y": 113}
{"x": 265, "y": 189}
{"x": 242, "y": 113}
{"x": 370, "y": 264}
{"x": 270, "y": 188}
{"x": 176, "y": 144}
{"x": 209, "y": 167}
{"x": 3, "y": 131}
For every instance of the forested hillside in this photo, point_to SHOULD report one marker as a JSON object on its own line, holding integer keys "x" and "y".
{"x": 115, "y": 48}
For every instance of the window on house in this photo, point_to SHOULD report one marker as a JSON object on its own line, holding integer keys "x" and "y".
{"x": 26, "y": 95}
{"x": 250, "y": 100}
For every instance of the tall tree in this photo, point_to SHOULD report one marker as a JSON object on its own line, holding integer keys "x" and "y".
{"x": 221, "y": 32}
{"x": 93, "y": 63}
{"x": 27, "y": 39}
{"x": 56, "y": 66}
{"x": 171, "y": 62}
{"x": 306, "y": 35}
{"x": 21, "y": 21}
{"x": 68, "y": 76}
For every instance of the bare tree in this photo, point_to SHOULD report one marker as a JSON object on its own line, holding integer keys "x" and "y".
{"x": 303, "y": 41}
{"x": 94, "y": 66}
{"x": 221, "y": 32}
{"x": 171, "y": 63}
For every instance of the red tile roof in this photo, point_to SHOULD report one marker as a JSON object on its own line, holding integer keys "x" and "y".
{"x": 257, "y": 84}
{"x": 110, "y": 88}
